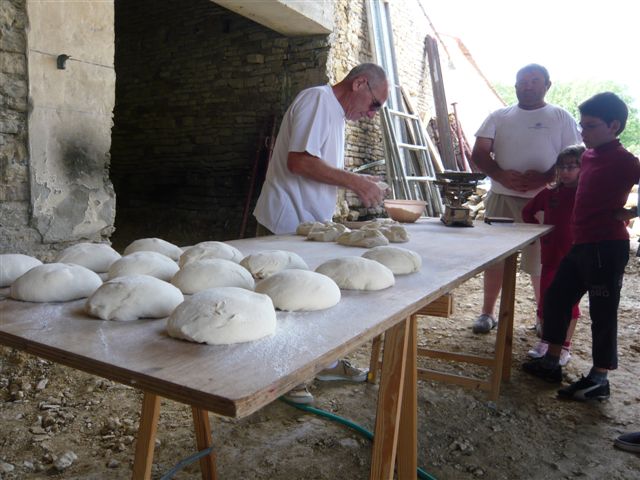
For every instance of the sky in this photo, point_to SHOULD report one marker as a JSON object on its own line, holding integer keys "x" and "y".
{"x": 574, "y": 39}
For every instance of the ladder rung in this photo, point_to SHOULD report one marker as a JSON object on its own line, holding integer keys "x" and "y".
{"x": 411, "y": 146}
{"x": 404, "y": 114}
{"x": 422, "y": 179}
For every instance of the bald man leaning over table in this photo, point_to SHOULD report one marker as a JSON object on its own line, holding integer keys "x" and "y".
{"x": 307, "y": 167}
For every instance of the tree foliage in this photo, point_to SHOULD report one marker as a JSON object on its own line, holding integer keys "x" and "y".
{"x": 569, "y": 95}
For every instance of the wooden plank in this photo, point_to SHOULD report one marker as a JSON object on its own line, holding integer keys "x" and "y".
{"x": 140, "y": 353}
{"x": 440, "y": 307}
{"x": 385, "y": 437}
{"x": 456, "y": 357}
{"x": 202, "y": 429}
{"x": 507, "y": 303}
{"x": 374, "y": 361}
{"x": 146, "y": 441}
{"x": 461, "y": 380}
{"x": 407, "y": 460}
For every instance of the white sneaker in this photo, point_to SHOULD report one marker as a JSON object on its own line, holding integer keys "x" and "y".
{"x": 299, "y": 394}
{"x": 565, "y": 356}
{"x": 343, "y": 371}
{"x": 539, "y": 350}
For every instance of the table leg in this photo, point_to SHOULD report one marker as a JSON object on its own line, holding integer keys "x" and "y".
{"x": 385, "y": 441}
{"x": 504, "y": 336}
{"x": 146, "y": 441}
{"x": 203, "y": 440}
{"x": 407, "y": 459}
{"x": 374, "y": 361}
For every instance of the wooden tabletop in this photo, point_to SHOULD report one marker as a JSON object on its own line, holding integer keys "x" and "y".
{"x": 236, "y": 380}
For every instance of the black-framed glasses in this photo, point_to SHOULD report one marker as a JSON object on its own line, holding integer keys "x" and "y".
{"x": 376, "y": 105}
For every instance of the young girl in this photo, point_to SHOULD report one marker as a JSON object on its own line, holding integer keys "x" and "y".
{"x": 557, "y": 205}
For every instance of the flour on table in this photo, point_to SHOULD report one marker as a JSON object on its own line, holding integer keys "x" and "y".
{"x": 144, "y": 263}
{"x": 210, "y": 273}
{"x": 221, "y": 316}
{"x": 14, "y": 265}
{"x": 133, "y": 297}
{"x": 295, "y": 290}
{"x": 363, "y": 238}
{"x": 154, "y": 245}
{"x": 268, "y": 262}
{"x": 94, "y": 256}
{"x": 357, "y": 273}
{"x": 326, "y": 232}
{"x": 399, "y": 260}
{"x": 205, "y": 250}
{"x": 55, "y": 282}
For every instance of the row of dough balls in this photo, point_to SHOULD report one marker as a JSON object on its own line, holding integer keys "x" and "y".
{"x": 141, "y": 296}
{"x": 376, "y": 233}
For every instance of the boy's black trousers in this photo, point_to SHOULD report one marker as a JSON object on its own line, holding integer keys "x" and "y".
{"x": 596, "y": 268}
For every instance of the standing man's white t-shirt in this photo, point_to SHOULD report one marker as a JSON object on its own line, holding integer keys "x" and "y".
{"x": 528, "y": 140}
{"x": 314, "y": 123}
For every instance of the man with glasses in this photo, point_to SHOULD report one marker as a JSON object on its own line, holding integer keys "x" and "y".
{"x": 307, "y": 167}
{"x": 517, "y": 147}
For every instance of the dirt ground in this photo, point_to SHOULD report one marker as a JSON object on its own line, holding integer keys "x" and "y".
{"x": 47, "y": 411}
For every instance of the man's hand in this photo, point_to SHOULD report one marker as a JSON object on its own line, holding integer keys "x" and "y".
{"x": 534, "y": 179}
{"x": 367, "y": 188}
{"x": 625, "y": 214}
{"x": 511, "y": 179}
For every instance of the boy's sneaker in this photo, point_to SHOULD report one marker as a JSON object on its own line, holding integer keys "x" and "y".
{"x": 539, "y": 350}
{"x": 484, "y": 323}
{"x": 343, "y": 371}
{"x": 629, "y": 442}
{"x": 534, "y": 367}
{"x": 585, "y": 389}
{"x": 565, "y": 356}
{"x": 299, "y": 394}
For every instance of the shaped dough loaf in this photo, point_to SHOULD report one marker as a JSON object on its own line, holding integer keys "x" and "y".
{"x": 357, "y": 273}
{"x": 220, "y": 316}
{"x": 295, "y": 290}
{"x": 399, "y": 260}
{"x": 133, "y": 297}
{"x": 97, "y": 257}
{"x": 268, "y": 262}
{"x": 206, "y": 250}
{"x": 363, "y": 238}
{"x": 211, "y": 273}
{"x": 154, "y": 245}
{"x": 326, "y": 232}
{"x": 14, "y": 265}
{"x": 55, "y": 282}
{"x": 144, "y": 263}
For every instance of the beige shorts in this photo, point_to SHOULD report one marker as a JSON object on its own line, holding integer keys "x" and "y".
{"x": 498, "y": 205}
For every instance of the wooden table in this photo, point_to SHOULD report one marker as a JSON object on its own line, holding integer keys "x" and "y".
{"x": 237, "y": 380}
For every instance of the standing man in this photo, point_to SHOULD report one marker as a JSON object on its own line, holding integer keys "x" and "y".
{"x": 307, "y": 167}
{"x": 517, "y": 147}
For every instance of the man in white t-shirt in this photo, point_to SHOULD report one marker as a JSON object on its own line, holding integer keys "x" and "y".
{"x": 517, "y": 148}
{"x": 307, "y": 167}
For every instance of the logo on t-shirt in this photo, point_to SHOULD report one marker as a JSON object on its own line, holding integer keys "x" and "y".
{"x": 538, "y": 126}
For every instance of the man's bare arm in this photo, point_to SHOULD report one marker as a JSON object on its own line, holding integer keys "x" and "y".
{"x": 310, "y": 166}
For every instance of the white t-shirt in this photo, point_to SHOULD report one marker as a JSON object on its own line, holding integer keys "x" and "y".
{"x": 528, "y": 140}
{"x": 314, "y": 123}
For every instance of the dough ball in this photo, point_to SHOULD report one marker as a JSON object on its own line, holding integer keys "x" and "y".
{"x": 55, "y": 282}
{"x": 397, "y": 259}
{"x": 395, "y": 233}
{"x": 206, "y": 250}
{"x": 268, "y": 262}
{"x": 305, "y": 227}
{"x": 214, "y": 272}
{"x": 357, "y": 273}
{"x": 154, "y": 245}
{"x": 14, "y": 265}
{"x": 133, "y": 297}
{"x": 97, "y": 257}
{"x": 326, "y": 232}
{"x": 144, "y": 263}
{"x": 294, "y": 290}
{"x": 363, "y": 238}
{"x": 220, "y": 316}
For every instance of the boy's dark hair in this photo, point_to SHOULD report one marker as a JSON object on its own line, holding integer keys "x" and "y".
{"x": 608, "y": 107}
{"x": 534, "y": 67}
{"x": 573, "y": 151}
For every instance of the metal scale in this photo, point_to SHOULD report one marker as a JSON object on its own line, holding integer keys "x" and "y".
{"x": 455, "y": 189}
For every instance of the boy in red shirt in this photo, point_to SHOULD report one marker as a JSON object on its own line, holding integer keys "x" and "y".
{"x": 557, "y": 205}
{"x": 596, "y": 262}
